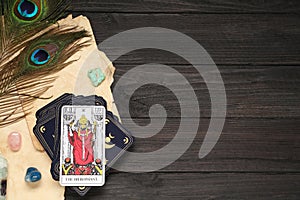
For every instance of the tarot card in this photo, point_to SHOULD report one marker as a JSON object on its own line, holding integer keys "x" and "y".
{"x": 47, "y": 128}
{"x": 82, "y": 146}
{"x": 117, "y": 141}
{"x": 76, "y": 101}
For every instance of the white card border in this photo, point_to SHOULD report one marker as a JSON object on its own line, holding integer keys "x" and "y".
{"x": 103, "y": 150}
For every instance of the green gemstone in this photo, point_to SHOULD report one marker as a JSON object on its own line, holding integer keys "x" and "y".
{"x": 96, "y": 76}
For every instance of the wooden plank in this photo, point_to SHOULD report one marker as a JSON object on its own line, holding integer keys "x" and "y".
{"x": 196, "y": 186}
{"x": 251, "y": 145}
{"x": 187, "y": 6}
{"x": 252, "y": 91}
{"x": 229, "y": 39}
{"x": 257, "y": 155}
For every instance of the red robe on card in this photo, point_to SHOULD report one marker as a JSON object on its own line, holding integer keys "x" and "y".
{"x": 82, "y": 147}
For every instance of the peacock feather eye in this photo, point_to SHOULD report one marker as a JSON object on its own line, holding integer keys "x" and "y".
{"x": 27, "y": 10}
{"x": 40, "y": 57}
{"x": 42, "y": 54}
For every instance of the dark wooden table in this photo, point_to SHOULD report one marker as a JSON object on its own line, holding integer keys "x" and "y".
{"x": 256, "y": 46}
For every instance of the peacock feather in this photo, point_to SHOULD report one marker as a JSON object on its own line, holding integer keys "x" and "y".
{"x": 32, "y": 50}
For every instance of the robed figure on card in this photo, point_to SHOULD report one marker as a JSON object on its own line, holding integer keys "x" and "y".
{"x": 82, "y": 144}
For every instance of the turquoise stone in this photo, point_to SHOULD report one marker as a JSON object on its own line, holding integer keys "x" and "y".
{"x": 96, "y": 76}
{"x": 33, "y": 175}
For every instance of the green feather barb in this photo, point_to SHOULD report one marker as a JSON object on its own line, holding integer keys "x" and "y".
{"x": 32, "y": 50}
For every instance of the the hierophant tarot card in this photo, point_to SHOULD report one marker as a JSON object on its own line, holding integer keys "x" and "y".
{"x": 82, "y": 146}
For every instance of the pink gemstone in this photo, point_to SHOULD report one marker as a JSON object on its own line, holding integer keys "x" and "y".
{"x": 14, "y": 141}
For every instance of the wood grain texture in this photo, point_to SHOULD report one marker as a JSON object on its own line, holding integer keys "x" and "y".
{"x": 197, "y": 186}
{"x": 252, "y": 91}
{"x": 248, "y": 39}
{"x": 251, "y": 145}
{"x": 256, "y": 46}
{"x": 187, "y": 6}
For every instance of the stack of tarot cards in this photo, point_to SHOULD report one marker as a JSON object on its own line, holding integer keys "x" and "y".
{"x": 82, "y": 139}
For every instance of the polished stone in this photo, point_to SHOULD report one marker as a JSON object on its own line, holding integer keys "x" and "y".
{"x": 96, "y": 76}
{"x": 14, "y": 141}
{"x": 33, "y": 175}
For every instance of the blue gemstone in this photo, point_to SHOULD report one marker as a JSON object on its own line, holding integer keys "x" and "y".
{"x": 40, "y": 57}
{"x": 27, "y": 9}
{"x": 33, "y": 175}
{"x": 31, "y": 169}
